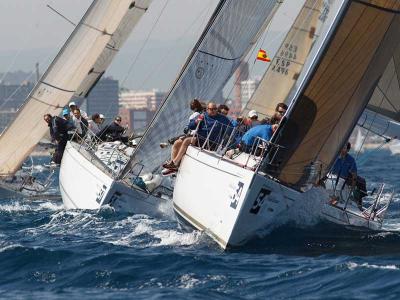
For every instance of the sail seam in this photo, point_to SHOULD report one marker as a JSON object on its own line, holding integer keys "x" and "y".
{"x": 56, "y": 87}
{"x": 217, "y": 56}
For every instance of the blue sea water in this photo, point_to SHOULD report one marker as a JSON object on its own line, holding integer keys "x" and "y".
{"x": 49, "y": 252}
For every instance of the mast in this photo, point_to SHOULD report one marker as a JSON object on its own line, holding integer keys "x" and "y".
{"x": 336, "y": 90}
{"x": 77, "y": 67}
{"x": 228, "y": 36}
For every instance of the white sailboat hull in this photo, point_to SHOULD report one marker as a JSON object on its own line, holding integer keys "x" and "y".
{"x": 233, "y": 204}
{"x": 228, "y": 202}
{"x": 84, "y": 185}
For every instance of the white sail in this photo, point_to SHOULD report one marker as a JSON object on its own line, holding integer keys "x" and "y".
{"x": 287, "y": 64}
{"x": 77, "y": 67}
{"x": 229, "y": 35}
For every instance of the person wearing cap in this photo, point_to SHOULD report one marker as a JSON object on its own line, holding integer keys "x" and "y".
{"x": 72, "y": 106}
{"x": 70, "y": 123}
{"x": 101, "y": 119}
{"x": 253, "y": 118}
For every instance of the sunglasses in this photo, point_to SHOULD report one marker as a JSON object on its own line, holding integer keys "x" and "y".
{"x": 118, "y": 120}
{"x": 282, "y": 112}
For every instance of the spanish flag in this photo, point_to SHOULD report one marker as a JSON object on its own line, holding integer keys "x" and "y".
{"x": 262, "y": 55}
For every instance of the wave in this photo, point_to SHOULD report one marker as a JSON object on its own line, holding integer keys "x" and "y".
{"x": 352, "y": 266}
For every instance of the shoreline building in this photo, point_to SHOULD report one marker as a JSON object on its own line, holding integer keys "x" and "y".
{"x": 137, "y": 108}
{"x": 104, "y": 98}
{"x": 247, "y": 89}
{"x": 12, "y": 96}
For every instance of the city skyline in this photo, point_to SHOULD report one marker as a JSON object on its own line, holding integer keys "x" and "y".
{"x": 42, "y": 32}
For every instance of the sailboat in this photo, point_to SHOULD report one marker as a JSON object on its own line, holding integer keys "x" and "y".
{"x": 74, "y": 72}
{"x": 236, "y": 201}
{"x": 129, "y": 182}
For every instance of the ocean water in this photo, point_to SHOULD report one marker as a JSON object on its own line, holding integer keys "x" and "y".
{"x": 48, "y": 252}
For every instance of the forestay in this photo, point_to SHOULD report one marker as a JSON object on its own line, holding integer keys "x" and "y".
{"x": 338, "y": 88}
{"x": 287, "y": 64}
{"x": 231, "y": 31}
{"x": 77, "y": 67}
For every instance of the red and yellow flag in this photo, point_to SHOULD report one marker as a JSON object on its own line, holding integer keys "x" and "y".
{"x": 262, "y": 55}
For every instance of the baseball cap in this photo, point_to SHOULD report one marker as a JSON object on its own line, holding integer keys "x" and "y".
{"x": 65, "y": 111}
{"x": 72, "y": 103}
{"x": 252, "y": 114}
{"x": 101, "y": 116}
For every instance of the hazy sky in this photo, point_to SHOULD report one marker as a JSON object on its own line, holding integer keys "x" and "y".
{"x": 30, "y": 32}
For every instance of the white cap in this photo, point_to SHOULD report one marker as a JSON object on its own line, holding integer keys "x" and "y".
{"x": 252, "y": 114}
{"x": 101, "y": 116}
{"x": 71, "y": 103}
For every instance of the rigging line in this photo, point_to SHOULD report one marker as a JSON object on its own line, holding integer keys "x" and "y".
{"x": 61, "y": 15}
{"x": 144, "y": 44}
{"x": 168, "y": 53}
{"x": 386, "y": 97}
{"x": 376, "y": 113}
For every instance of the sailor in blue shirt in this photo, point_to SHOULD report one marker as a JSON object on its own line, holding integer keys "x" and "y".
{"x": 345, "y": 165}
{"x": 262, "y": 131}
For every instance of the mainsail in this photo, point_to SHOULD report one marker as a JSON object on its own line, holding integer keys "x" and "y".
{"x": 287, "y": 64}
{"x": 228, "y": 36}
{"x": 75, "y": 70}
{"x": 339, "y": 86}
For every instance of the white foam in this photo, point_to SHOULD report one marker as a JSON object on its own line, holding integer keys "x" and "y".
{"x": 352, "y": 266}
{"x": 4, "y": 246}
{"x": 188, "y": 281}
{"x": 176, "y": 238}
{"x": 21, "y": 206}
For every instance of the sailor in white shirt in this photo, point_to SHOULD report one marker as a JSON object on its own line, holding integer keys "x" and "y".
{"x": 72, "y": 106}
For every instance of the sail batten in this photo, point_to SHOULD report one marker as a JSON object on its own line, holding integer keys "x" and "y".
{"x": 337, "y": 91}
{"x": 74, "y": 71}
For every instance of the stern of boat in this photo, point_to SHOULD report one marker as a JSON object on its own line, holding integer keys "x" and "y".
{"x": 83, "y": 185}
{"x": 226, "y": 200}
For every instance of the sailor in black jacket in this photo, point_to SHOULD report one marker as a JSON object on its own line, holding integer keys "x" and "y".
{"x": 59, "y": 134}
